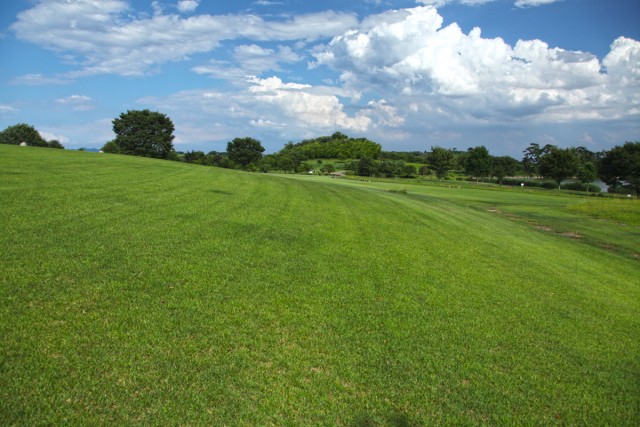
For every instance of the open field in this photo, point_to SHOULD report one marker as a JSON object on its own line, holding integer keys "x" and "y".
{"x": 139, "y": 291}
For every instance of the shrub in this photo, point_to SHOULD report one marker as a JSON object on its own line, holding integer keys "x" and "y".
{"x": 578, "y": 186}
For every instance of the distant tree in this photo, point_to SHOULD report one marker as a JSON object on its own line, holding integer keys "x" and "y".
{"x": 585, "y": 155}
{"x": 366, "y": 167}
{"x": 531, "y": 159}
{"x": 111, "y": 147}
{"x": 391, "y": 168}
{"x": 409, "y": 171}
{"x": 477, "y": 162}
{"x": 441, "y": 160}
{"x": 559, "y": 164}
{"x": 424, "y": 170}
{"x": 144, "y": 133}
{"x": 502, "y": 167}
{"x": 245, "y": 151}
{"x": 220, "y": 160}
{"x": 197, "y": 157}
{"x": 287, "y": 163}
{"x": 351, "y": 166}
{"x": 337, "y": 145}
{"x": 621, "y": 165}
{"x": 305, "y": 167}
{"x": 54, "y": 143}
{"x": 328, "y": 168}
{"x": 22, "y": 132}
{"x": 586, "y": 173}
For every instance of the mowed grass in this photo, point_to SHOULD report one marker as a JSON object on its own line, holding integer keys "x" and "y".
{"x": 138, "y": 291}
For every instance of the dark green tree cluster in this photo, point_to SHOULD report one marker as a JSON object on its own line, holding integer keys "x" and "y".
{"x": 336, "y": 146}
{"x": 620, "y": 168}
{"x": 366, "y": 166}
{"x": 441, "y": 161}
{"x": 245, "y": 152}
{"x": 405, "y": 156}
{"x": 479, "y": 164}
{"x": 24, "y": 133}
{"x": 142, "y": 133}
{"x": 213, "y": 158}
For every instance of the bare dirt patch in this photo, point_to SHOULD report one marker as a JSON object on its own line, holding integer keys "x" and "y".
{"x": 571, "y": 234}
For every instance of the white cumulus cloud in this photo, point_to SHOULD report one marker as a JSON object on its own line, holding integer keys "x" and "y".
{"x": 107, "y": 37}
{"x": 186, "y": 6}
{"x": 534, "y": 3}
{"x": 518, "y": 3}
{"x": 77, "y": 102}
{"x": 296, "y": 102}
{"x": 428, "y": 68}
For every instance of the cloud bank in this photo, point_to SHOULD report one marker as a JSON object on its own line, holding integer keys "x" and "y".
{"x": 108, "y": 37}
{"x": 396, "y": 75}
{"x": 440, "y": 71}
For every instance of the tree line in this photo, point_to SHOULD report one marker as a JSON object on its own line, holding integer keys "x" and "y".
{"x": 150, "y": 134}
{"x": 25, "y": 134}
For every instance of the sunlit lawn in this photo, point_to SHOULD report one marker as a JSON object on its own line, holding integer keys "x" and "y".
{"x": 137, "y": 291}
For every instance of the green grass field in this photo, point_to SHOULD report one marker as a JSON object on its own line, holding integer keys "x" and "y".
{"x": 139, "y": 291}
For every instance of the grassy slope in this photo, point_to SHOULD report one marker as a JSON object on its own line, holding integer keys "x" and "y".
{"x": 134, "y": 290}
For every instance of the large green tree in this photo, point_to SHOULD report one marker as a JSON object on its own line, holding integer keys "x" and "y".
{"x": 144, "y": 133}
{"x": 622, "y": 164}
{"x": 477, "y": 162}
{"x": 366, "y": 167}
{"x": 559, "y": 164}
{"x": 440, "y": 160}
{"x": 245, "y": 151}
{"x": 20, "y": 133}
{"x": 531, "y": 158}
{"x": 503, "y": 166}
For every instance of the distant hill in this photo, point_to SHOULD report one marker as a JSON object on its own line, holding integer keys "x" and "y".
{"x": 337, "y": 145}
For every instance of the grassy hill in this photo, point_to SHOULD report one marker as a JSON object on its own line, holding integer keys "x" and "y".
{"x": 139, "y": 291}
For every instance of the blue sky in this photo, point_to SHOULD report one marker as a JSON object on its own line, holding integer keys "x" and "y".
{"x": 408, "y": 74}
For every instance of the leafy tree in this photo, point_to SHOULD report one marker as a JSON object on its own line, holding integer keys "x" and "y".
{"x": 366, "y": 167}
{"x": 143, "y": 133}
{"x": 406, "y": 156}
{"x": 22, "y": 132}
{"x": 111, "y": 147}
{"x": 305, "y": 167}
{"x": 477, "y": 162}
{"x": 54, "y": 143}
{"x": 441, "y": 160}
{"x": 351, "y": 166}
{"x": 531, "y": 159}
{"x": 220, "y": 160}
{"x": 503, "y": 166}
{"x": 391, "y": 168}
{"x": 622, "y": 163}
{"x": 559, "y": 164}
{"x": 337, "y": 145}
{"x": 424, "y": 170}
{"x": 585, "y": 155}
{"x": 328, "y": 168}
{"x": 586, "y": 173}
{"x": 245, "y": 151}
{"x": 287, "y": 163}
{"x": 409, "y": 171}
{"x": 197, "y": 157}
